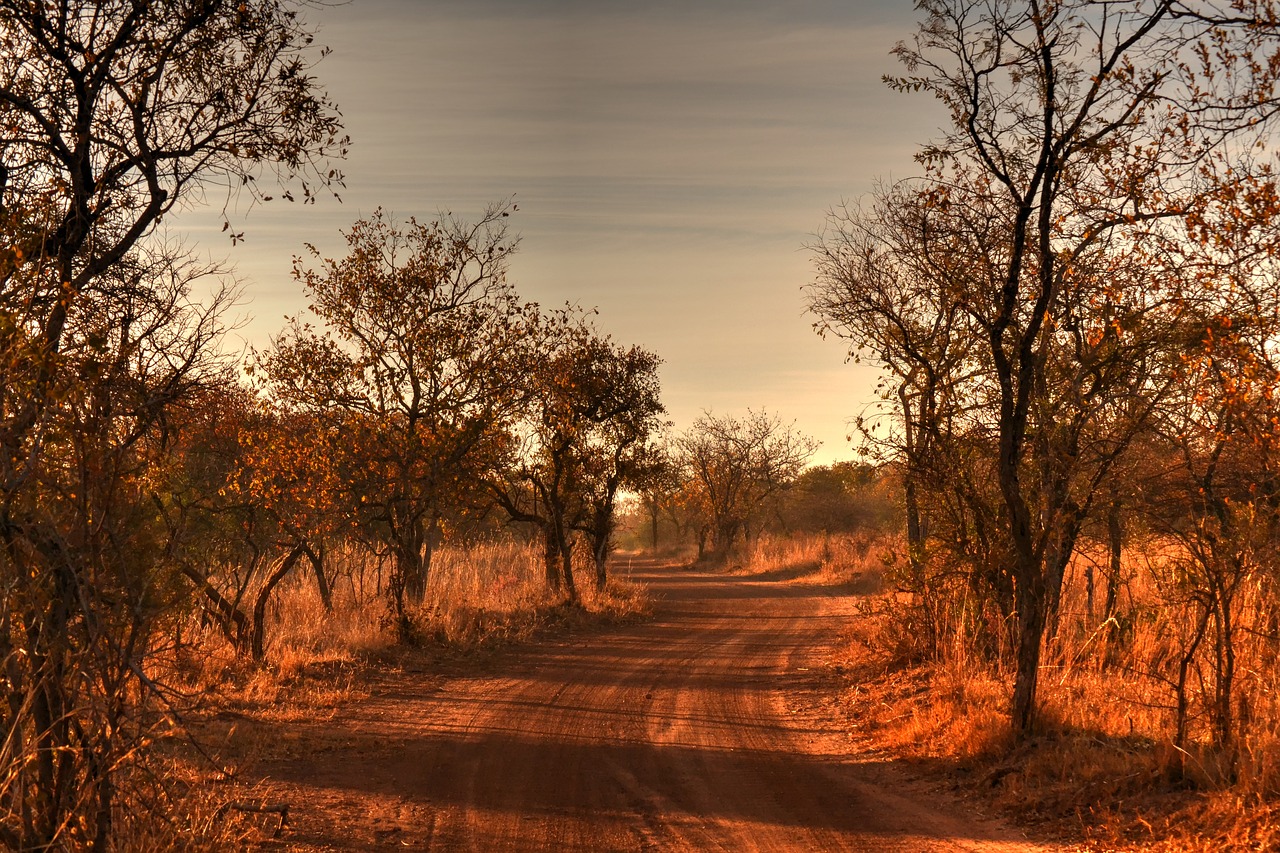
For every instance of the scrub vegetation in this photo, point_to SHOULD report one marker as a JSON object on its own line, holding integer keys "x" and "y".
{"x": 1062, "y": 537}
{"x": 1076, "y": 312}
{"x": 171, "y": 518}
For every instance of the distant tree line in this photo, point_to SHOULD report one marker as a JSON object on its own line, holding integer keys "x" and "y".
{"x": 727, "y": 480}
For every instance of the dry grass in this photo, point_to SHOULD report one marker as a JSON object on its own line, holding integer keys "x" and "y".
{"x": 184, "y": 813}
{"x": 1102, "y": 765}
{"x": 477, "y": 600}
{"x": 852, "y": 558}
{"x": 493, "y": 594}
{"x": 477, "y": 597}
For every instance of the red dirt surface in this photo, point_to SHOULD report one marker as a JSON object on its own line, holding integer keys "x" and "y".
{"x": 698, "y": 729}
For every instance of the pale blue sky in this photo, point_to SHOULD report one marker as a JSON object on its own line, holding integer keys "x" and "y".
{"x": 669, "y": 160}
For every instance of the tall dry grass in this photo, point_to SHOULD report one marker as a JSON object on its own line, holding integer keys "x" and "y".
{"x": 482, "y": 594}
{"x": 226, "y": 709}
{"x": 1103, "y": 763}
{"x": 856, "y": 557}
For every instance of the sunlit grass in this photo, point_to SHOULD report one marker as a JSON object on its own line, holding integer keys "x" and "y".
{"x": 835, "y": 558}
{"x": 1102, "y": 759}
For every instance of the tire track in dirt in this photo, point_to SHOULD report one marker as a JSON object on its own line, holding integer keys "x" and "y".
{"x": 681, "y": 733}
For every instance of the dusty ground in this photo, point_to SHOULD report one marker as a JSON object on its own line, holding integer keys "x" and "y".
{"x": 700, "y": 729}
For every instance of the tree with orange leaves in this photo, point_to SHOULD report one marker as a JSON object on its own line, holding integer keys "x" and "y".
{"x": 114, "y": 113}
{"x": 593, "y": 407}
{"x": 417, "y": 367}
{"x": 288, "y": 476}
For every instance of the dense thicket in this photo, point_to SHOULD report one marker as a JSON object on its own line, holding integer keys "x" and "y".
{"x": 143, "y": 483}
{"x": 1076, "y": 309}
{"x": 111, "y": 115}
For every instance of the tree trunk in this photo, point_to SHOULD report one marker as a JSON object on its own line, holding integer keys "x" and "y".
{"x": 257, "y": 643}
{"x": 726, "y": 538}
{"x": 653, "y": 524}
{"x": 316, "y": 558}
{"x": 915, "y": 531}
{"x": 1115, "y": 537}
{"x": 1029, "y": 596}
{"x": 1056, "y": 562}
{"x": 1027, "y": 565}
{"x": 1225, "y": 660}
{"x": 566, "y": 560}
{"x": 600, "y": 536}
{"x": 1088, "y": 593}
{"x": 601, "y": 554}
{"x": 406, "y": 565}
{"x": 231, "y": 619}
{"x": 417, "y": 552}
{"x": 1031, "y": 624}
{"x": 106, "y": 798}
{"x": 1180, "y": 693}
{"x": 915, "y": 536}
{"x": 551, "y": 555}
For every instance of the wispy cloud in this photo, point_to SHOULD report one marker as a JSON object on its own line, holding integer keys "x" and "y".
{"x": 670, "y": 159}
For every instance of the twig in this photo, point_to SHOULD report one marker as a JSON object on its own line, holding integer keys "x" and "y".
{"x": 281, "y": 809}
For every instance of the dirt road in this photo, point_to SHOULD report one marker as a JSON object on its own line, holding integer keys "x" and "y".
{"x": 695, "y": 730}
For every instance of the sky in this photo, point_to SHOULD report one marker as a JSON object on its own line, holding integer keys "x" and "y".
{"x": 670, "y": 161}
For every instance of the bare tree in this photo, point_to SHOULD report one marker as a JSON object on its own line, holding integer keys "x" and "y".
{"x": 890, "y": 280}
{"x": 737, "y": 464}
{"x": 1075, "y": 125}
